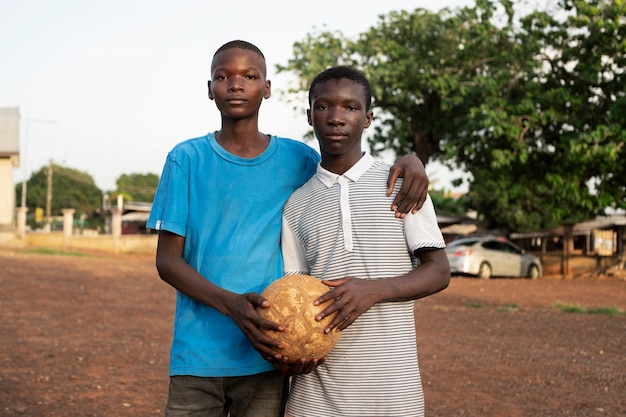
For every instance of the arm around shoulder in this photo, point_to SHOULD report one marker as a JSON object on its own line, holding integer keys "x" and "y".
{"x": 414, "y": 189}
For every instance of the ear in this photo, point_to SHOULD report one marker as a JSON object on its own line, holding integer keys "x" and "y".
{"x": 268, "y": 89}
{"x": 369, "y": 116}
{"x": 308, "y": 117}
{"x": 210, "y": 92}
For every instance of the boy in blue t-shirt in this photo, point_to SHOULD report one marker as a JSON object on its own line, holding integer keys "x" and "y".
{"x": 218, "y": 210}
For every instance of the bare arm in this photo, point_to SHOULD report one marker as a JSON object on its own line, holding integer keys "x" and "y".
{"x": 414, "y": 189}
{"x": 354, "y": 296}
{"x": 241, "y": 308}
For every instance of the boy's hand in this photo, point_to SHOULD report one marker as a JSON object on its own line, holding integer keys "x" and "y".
{"x": 302, "y": 366}
{"x": 243, "y": 311}
{"x": 414, "y": 189}
{"x": 350, "y": 297}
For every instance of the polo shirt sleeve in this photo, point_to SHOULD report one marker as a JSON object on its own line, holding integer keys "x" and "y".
{"x": 293, "y": 251}
{"x": 422, "y": 230}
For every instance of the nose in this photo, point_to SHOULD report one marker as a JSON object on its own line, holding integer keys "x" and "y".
{"x": 335, "y": 117}
{"x": 235, "y": 84}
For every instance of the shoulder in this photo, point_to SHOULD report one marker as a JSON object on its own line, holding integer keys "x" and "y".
{"x": 297, "y": 157}
{"x": 378, "y": 169}
{"x": 304, "y": 194}
{"x": 188, "y": 148}
{"x": 188, "y": 145}
{"x": 380, "y": 166}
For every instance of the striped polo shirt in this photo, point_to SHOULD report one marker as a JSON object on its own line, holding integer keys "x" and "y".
{"x": 341, "y": 225}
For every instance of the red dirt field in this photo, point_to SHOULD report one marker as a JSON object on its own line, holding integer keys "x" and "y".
{"x": 89, "y": 336}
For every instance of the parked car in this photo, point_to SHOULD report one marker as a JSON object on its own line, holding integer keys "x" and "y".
{"x": 488, "y": 256}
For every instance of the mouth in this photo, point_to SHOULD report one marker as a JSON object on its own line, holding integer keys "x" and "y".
{"x": 335, "y": 135}
{"x": 236, "y": 100}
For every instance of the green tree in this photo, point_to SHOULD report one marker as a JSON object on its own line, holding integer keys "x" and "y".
{"x": 557, "y": 134}
{"x": 445, "y": 204}
{"x": 70, "y": 188}
{"x": 137, "y": 187}
{"x": 532, "y": 107}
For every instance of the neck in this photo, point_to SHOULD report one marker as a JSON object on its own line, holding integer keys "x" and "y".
{"x": 339, "y": 164}
{"x": 242, "y": 141}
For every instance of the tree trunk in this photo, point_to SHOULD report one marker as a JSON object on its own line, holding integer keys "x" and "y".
{"x": 423, "y": 145}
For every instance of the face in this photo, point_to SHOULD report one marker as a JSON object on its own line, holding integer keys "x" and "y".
{"x": 238, "y": 83}
{"x": 338, "y": 115}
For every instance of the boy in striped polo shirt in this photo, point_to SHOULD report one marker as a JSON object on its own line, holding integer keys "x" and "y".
{"x": 338, "y": 228}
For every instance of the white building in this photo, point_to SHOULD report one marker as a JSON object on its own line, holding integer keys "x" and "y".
{"x": 9, "y": 159}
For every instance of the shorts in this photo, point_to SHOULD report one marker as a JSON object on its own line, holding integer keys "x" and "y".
{"x": 260, "y": 395}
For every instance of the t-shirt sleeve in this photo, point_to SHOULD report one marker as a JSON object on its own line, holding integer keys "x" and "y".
{"x": 422, "y": 230}
{"x": 170, "y": 208}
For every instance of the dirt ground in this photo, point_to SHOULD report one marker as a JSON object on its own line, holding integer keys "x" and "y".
{"x": 89, "y": 336}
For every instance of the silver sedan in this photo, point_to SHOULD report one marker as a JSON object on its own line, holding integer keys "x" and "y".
{"x": 488, "y": 256}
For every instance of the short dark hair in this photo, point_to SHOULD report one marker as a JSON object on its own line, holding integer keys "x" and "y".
{"x": 240, "y": 45}
{"x": 339, "y": 72}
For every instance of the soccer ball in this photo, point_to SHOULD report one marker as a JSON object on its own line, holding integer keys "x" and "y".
{"x": 291, "y": 304}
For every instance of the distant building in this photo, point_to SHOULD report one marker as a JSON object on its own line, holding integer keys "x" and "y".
{"x": 135, "y": 218}
{"x": 134, "y": 215}
{"x": 9, "y": 159}
{"x": 602, "y": 236}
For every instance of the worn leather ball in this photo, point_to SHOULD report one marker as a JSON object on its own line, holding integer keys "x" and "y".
{"x": 291, "y": 304}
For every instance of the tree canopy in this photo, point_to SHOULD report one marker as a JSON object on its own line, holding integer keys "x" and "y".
{"x": 69, "y": 188}
{"x": 531, "y": 105}
{"x": 137, "y": 187}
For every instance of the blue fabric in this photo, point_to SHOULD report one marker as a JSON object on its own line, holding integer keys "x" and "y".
{"x": 229, "y": 210}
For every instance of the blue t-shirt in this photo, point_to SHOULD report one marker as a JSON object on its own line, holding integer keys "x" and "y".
{"x": 229, "y": 210}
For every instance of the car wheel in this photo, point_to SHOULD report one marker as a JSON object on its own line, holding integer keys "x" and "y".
{"x": 533, "y": 272}
{"x": 484, "y": 271}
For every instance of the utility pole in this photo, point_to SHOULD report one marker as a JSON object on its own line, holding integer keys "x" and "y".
{"x": 49, "y": 197}
{"x": 23, "y": 156}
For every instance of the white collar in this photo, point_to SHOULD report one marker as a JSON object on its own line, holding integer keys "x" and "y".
{"x": 353, "y": 174}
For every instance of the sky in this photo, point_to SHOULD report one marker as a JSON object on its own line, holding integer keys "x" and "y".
{"x": 108, "y": 87}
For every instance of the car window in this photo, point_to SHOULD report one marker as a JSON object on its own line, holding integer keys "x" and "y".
{"x": 509, "y": 248}
{"x": 462, "y": 242}
{"x": 491, "y": 245}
